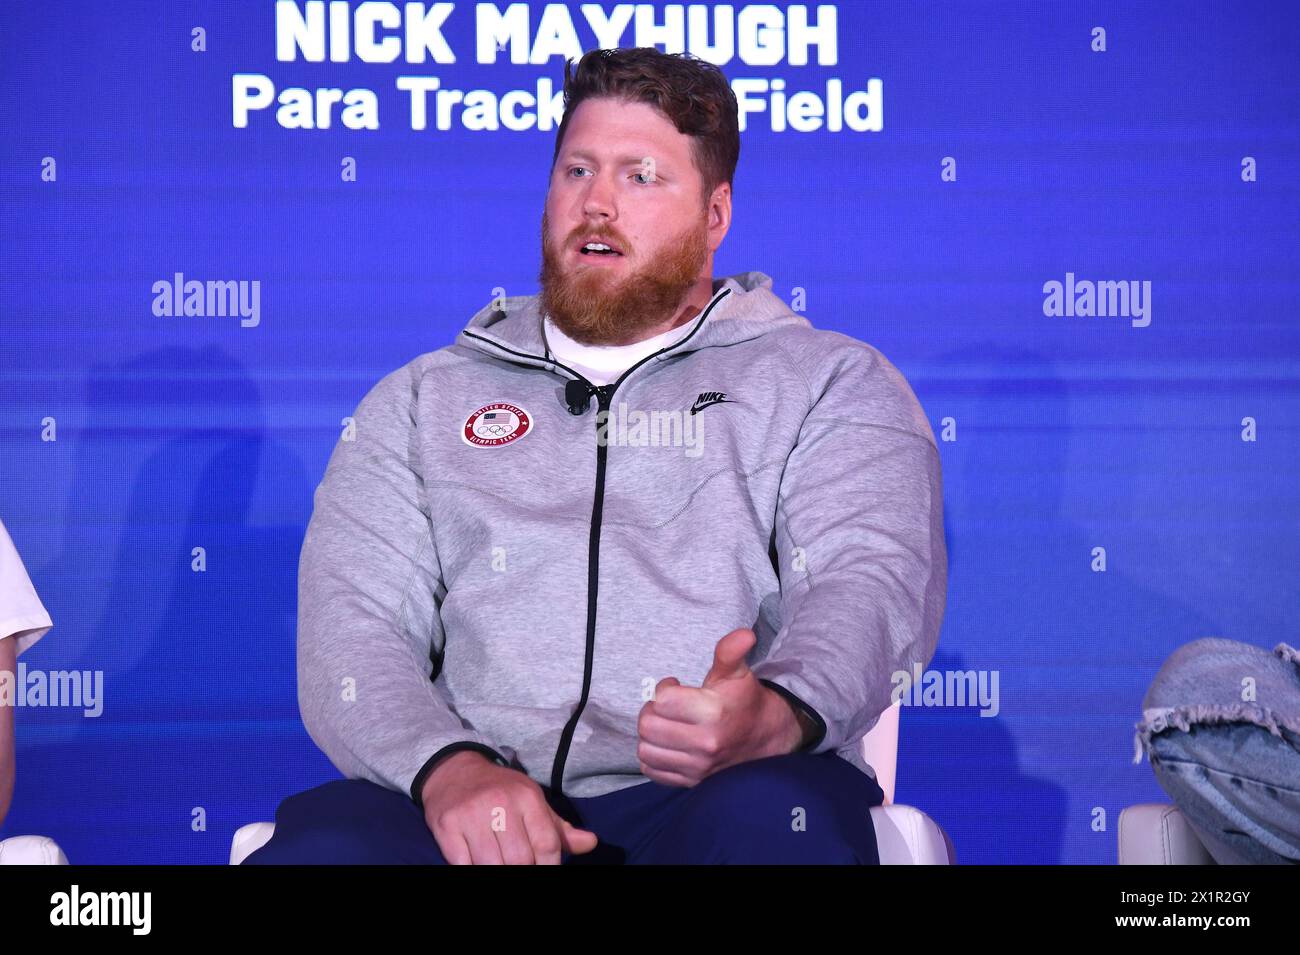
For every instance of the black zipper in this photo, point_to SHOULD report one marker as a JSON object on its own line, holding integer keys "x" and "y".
{"x": 604, "y": 394}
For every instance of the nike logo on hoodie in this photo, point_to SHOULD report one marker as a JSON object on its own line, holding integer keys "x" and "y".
{"x": 707, "y": 398}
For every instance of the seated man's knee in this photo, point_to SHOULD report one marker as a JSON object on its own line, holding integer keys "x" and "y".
{"x": 774, "y": 779}
{"x": 1206, "y": 670}
{"x": 1217, "y": 698}
{"x": 349, "y": 822}
{"x": 792, "y": 808}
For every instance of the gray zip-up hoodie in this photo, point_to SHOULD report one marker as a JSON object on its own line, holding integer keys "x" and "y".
{"x": 493, "y": 564}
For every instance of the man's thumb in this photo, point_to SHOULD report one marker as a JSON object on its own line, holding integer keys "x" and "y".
{"x": 575, "y": 839}
{"x": 729, "y": 656}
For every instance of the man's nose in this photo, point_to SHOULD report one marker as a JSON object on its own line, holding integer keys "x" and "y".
{"x": 598, "y": 202}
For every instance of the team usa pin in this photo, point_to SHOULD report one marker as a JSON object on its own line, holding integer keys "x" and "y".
{"x": 496, "y": 424}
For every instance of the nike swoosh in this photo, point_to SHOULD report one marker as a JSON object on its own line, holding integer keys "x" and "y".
{"x": 700, "y": 407}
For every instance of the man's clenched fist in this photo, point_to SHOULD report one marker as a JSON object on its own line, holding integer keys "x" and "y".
{"x": 688, "y": 733}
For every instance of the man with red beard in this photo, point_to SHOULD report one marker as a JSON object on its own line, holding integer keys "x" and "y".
{"x": 658, "y": 658}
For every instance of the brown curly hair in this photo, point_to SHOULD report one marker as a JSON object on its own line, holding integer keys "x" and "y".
{"x": 692, "y": 93}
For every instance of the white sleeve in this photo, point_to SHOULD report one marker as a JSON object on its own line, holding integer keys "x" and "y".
{"x": 22, "y": 615}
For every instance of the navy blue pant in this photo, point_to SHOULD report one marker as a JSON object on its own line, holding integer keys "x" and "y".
{"x": 796, "y": 808}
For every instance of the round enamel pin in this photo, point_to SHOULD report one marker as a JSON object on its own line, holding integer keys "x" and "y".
{"x": 496, "y": 424}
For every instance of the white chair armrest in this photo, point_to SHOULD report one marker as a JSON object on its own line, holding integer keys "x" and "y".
{"x": 249, "y": 839}
{"x": 907, "y": 836}
{"x": 880, "y": 749}
{"x": 1153, "y": 833}
{"x": 31, "y": 850}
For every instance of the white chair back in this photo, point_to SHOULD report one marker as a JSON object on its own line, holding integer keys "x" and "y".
{"x": 880, "y": 750}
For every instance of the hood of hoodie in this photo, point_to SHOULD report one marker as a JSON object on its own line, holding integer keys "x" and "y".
{"x": 743, "y": 307}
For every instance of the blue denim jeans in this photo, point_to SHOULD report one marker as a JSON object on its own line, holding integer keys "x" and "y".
{"x": 1221, "y": 726}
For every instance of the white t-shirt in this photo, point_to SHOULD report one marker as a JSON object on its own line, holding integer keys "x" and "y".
{"x": 603, "y": 363}
{"x": 22, "y": 615}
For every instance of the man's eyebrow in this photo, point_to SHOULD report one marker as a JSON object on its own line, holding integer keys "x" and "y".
{"x": 626, "y": 159}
